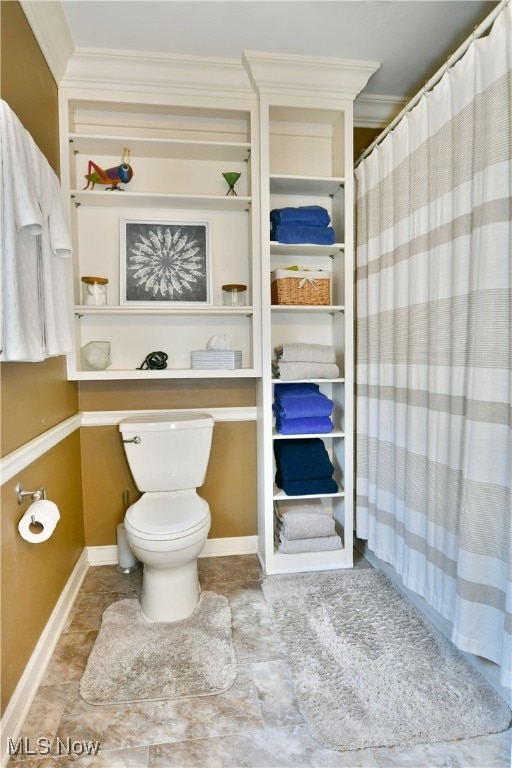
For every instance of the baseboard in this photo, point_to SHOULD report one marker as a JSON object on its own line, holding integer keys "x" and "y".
{"x": 234, "y": 545}
{"x": 23, "y": 696}
{"x": 488, "y": 670}
{"x": 102, "y": 555}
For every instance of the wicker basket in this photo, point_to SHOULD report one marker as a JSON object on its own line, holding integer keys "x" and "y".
{"x": 303, "y": 288}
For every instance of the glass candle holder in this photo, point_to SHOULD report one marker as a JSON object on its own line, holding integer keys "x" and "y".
{"x": 233, "y": 295}
{"x": 94, "y": 291}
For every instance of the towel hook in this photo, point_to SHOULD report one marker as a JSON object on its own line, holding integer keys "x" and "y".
{"x": 21, "y": 495}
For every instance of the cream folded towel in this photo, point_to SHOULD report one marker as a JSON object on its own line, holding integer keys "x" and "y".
{"x": 309, "y": 353}
{"x": 297, "y": 371}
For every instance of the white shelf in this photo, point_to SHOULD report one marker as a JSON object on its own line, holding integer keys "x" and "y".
{"x": 169, "y": 373}
{"x": 305, "y": 185}
{"x": 123, "y": 199}
{"x": 310, "y": 561}
{"x": 329, "y": 309}
{"x": 309, "y": 381}
{"x": 280, "y": 495}
{"x": 126, "y": 311}
{"x": 334, "y": 433}
{"x": 173, "y": 149}
{"x": 305, "y": 249}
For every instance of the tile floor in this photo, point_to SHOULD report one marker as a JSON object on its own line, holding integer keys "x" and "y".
{"x": 255, "y": 723}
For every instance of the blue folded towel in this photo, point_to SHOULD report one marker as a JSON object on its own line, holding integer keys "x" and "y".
{"x": 304, "y": 426}
{"x": 305, "y": 487}
{"x": 302, "y": 459}
{"x": 296, "y": 406}
{"x": 314, "y": 215}
{"x": 297, "y": 389}
{"x": 302, "y": 233}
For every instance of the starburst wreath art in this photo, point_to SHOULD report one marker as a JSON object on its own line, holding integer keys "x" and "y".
{"x": 164, "y": 262}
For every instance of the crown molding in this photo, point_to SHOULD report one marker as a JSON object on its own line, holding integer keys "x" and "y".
{"x": 164, "y": 74}
{"x": 51, "y": 30}
{"x": 375, "y": 111}
{"x": 308, "y": 76}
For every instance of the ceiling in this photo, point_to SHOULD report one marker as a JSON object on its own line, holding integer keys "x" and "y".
{"x": 410, "y": 38}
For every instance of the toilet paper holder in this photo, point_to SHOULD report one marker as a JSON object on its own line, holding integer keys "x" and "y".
{"x": 21, "y": 495}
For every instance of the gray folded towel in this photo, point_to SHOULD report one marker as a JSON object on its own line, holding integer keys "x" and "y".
{"x": 317, "y": 544}
{"x": 309, "y": 353}
{"x": 305, "y": 525}
{"x": 304, "y": 370}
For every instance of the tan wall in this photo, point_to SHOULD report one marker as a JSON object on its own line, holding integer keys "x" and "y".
{"x": 363, "y": 137}
{"x": 230, "y": 486}
{"x": 26, "y": 82}
{"x": 34, "y": 397}
{"x": 33, "y": 575}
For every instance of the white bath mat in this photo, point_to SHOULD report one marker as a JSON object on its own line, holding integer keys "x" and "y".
{"x": 369, "y": 671}
{"x": 133, "y": 660}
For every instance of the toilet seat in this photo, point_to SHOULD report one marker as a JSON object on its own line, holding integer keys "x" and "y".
{"x": 167, "y": 516}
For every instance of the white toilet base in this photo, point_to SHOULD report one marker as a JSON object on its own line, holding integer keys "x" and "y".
{"x": 170, "y": 585}
{"x": 170, "y": 594}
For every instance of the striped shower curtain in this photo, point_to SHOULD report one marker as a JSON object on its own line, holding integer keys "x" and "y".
{"x": 434, "y": 348}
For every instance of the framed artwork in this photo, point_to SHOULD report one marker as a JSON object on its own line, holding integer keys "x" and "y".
{"x": 164, "y": 263}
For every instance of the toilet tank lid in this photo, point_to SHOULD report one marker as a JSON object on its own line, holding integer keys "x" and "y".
{"x": 163, "y": 422}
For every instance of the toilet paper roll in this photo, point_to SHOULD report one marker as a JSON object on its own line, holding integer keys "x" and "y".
{"x": 40, "y": 513}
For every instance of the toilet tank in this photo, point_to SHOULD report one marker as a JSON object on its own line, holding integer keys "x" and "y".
{"x": 168, "y": 453}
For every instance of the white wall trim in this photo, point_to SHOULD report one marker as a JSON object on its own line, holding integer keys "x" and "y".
{"x": 16, "y": 461}
{"x": 236, "y": 545}
{"x": 19, "y": 459}
{"x": 375, "y": 111}
{"x": 23, "y": 696}
{"x": 308, "y": 76}
{"x": 109, "y": 418}
{"x": 106, "y": 555}
{"x": 157, "y": 73}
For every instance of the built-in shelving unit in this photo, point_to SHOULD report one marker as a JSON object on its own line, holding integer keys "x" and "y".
{"x": 178, "y": 154}
{"x": 306, "y": 159}
{"x": 285, "y": 124}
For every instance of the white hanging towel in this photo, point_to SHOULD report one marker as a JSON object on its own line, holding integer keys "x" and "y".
{"x": 36, "y": 277}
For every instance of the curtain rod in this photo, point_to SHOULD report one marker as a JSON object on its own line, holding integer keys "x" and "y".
{"x": 479, "y": 31}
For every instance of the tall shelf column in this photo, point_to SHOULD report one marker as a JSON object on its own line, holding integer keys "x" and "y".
{"x": 306, "y": 128}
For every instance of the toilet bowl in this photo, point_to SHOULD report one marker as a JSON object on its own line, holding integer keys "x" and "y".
{"x": 168, "y": 526}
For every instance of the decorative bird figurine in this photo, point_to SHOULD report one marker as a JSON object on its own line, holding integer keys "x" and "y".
{"x": 121, "y": 174}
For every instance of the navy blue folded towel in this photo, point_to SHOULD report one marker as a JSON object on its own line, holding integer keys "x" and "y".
{"x": 294, "y": 401}
{"x": 302, "y": 459}
{"x": 302, "y": 233}
{"x": 305, "y": 487}
{"x": 313, "y": 215}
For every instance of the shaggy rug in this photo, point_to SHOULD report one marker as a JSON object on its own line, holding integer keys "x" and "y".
{"x": 369, "y": 671}
{"x": 133, "y": 660}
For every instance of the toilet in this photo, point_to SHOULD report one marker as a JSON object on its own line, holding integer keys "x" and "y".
{"x": 168, "y": 526}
